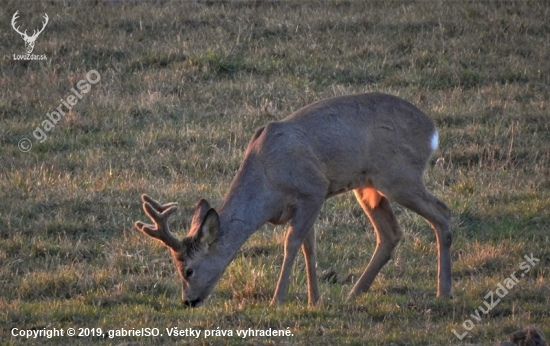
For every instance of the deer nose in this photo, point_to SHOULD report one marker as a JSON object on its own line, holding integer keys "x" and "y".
{"x": 193, "y": 303}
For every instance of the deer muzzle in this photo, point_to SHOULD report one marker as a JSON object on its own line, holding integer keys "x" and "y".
{"x": 193, "y": 303}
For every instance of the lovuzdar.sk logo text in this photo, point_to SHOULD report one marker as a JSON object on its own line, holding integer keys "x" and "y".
{"x": 29, "y": 40}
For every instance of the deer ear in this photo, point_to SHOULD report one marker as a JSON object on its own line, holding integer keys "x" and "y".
{"x": 209, "y": 229}
{"x": 200, "y": 212}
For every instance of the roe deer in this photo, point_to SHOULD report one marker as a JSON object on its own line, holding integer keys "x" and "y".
{"x": 377, "y": 145}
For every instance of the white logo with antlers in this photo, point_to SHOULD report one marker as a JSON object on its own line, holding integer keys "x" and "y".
{"x": 29, "y": 40}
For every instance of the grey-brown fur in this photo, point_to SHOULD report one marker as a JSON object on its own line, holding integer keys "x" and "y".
{"x": 374, "y": 144}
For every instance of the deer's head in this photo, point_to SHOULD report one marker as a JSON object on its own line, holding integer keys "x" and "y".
{"x": 198, "y": 276}
{"x": 29, "y": 40}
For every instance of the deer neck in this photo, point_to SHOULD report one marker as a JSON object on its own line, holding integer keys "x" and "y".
{"x": 242, "y": 213}
{"x": 237, "y": 224}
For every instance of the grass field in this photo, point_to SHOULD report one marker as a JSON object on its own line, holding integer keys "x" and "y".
{"x": 183, "y": 86}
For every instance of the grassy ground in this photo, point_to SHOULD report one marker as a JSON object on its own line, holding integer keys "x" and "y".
{"x": 183, "y": 87}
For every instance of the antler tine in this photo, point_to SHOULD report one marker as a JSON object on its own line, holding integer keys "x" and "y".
{"x": 45, "y": 23}
{"x": 155, "y": 204}
{"x": 14, "y": 18}
{"x": 159, "y": 215}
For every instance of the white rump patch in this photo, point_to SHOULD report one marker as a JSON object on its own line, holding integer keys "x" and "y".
{"x": 435, "y": 141}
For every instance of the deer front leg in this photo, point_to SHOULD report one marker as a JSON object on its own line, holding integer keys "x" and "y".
{"x": 299, "y": 230}
{"x": 308, "y": 248}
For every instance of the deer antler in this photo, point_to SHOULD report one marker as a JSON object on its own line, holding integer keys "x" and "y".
{"x": 34, "y": 35}
{"x": 159, "y": 214}
{"x": 13, "y": 20}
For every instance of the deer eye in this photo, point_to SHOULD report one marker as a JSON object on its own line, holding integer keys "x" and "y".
{"x": 188, "y": 272}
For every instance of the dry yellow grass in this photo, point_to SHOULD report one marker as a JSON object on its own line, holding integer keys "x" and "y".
{"x": 183, "y": 87}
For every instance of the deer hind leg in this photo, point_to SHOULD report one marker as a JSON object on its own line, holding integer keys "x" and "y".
{"x": 417, "y": 198}
{"x": 388, "y": 233}
{"x": 308, "y": 249}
